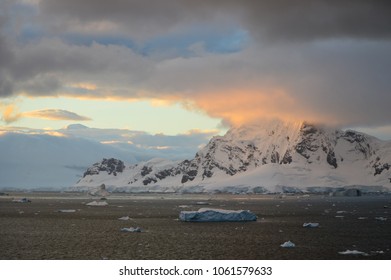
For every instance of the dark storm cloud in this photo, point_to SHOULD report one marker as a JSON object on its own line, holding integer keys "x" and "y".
{"x": 271, "y": 19}
{"x": 6, "y": 58}
{"x": 322, "y": 60}
{"x": 317, "y": 19}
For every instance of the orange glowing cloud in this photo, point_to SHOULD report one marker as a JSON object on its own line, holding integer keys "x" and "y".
{"x": 9, "y": 113}
{"x": 238, "y": 107}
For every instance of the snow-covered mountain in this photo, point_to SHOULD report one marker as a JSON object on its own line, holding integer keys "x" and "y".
{"x": 269, "y": 156}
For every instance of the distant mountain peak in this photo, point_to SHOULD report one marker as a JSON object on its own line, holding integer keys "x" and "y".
{"x": 76, "y": 126}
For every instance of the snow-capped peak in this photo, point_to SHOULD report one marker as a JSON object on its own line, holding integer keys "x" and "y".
{"x": 265, "y": 155}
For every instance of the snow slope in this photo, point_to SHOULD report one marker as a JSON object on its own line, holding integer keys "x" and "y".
{"x": 269, "y": 156}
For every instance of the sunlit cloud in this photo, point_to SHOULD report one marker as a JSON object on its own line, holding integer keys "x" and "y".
{"x": 10, "y": 113}
{"x": 55, "y": 114}
{"x": 239, "y": 107}
{"x": 324, "y": 62}
{"x": 87, "y": 86}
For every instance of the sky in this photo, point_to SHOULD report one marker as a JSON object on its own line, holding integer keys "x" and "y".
{"x": 173, "y": 67}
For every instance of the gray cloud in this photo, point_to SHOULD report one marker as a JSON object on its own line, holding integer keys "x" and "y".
{"x": 6, "y": 59}
{"x": 331, "y": 57}
{"x": 319, "y": 19}
{"x": 273, "y": 19}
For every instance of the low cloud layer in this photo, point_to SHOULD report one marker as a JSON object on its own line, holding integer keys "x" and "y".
{"x": 132, "y": 146}
{"x": 325, "y": 61}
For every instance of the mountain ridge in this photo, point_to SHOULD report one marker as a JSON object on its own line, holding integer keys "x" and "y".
{"x": 264, "y": 157}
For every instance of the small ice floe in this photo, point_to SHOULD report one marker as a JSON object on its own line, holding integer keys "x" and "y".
{"x": 362, "y": 218}
{"x": 288, "y": 244}
{"x": 217, "y": 215}
{"x": 377, "y": 252}
{"x": 311, "y": 225}
{"x": 353, "y": 252}
{"x": 183, "y": 206}
{"x": 202, "y": 203}
{"x": 340, "y": 212}
{"x": 381, "y": 219}
{"x": 22, "y": 200}
{"x": 124, "y": 218}
{"x": 131, "y": 229}
{"x": 97, "y": 203}
{"x": 67, "y": 211}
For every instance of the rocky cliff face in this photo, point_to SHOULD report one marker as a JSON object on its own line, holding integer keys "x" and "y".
{"x": 330, "y": 155}
{"x": 111, "y": 166}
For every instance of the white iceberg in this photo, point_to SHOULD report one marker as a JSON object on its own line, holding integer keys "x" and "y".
{"x": 217, "y": 215}
{"x": 288, "y": 244}
{"x": 131, "y": 229}
{"x": 311, "y": 225}
{"x": 353, "y": 252}
{"x": 97, "y": 203}
{"x": 67, "y": 211}
{"x": 202, "y": 203}
{"x": 381, "y": 219}
{"x": 125, "y": 218}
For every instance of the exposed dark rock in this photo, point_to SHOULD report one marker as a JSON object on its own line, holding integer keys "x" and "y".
{"x": 111, "y": 166}
{"x": 379, "y": 168}
{"x": 287, "y": 158}
{"x": 331, "y": 159}
{"x": 164, "y": 173}
{"x": 149, "y": 180}
{"x": 275, "y": 157}
{"x": 146, "y": 170}
{"x": 189, "y": 176}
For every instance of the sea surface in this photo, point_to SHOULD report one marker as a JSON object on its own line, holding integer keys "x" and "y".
{"x": 42, "y": 230}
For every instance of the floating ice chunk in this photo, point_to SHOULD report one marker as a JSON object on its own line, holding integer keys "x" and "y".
{"x": 131, "y": 229}
{"x": 381, "y": 219}
{"x": 377, "y": 252}
{"x": 202, "y": 203}
{"x": 97, "y": 203}
{"x": 362, "y": 218}
{"x": 67, "y": 211}
{"x": 288, "y": 244}
{"x": 124, "y": 218}
{"x": 311, "y": 225}
{"x": 217, "y": 215}
{"x": 340, "y": 212}
{"x": 353, "y": 252}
